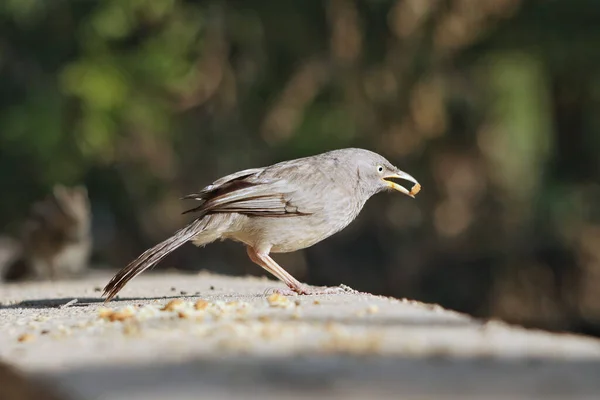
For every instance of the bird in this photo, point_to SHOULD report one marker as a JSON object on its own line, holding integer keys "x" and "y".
{"x": 281, "y": 208}
{"x": 56, "y": 240}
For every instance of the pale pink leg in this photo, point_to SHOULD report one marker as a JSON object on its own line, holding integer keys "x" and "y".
{"x": 270, "y": 265}
{"x": 265, "y": 261}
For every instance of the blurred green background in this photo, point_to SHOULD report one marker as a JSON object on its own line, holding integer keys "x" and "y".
{"x": 493, "y": 105}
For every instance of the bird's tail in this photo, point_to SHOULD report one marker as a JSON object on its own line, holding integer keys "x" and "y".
{"x": 151, "y": 257}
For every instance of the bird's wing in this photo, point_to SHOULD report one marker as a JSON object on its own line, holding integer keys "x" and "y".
{"x": 283, "y": 191}
{"x": 223, "y": 184}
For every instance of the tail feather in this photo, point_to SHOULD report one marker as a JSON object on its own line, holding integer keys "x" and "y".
{"x": 151, "y": 257}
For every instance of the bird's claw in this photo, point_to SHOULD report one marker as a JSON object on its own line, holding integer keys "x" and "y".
{"x": 316, "y": 290}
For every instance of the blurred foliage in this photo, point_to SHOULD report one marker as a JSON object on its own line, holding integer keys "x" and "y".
{"x": 491, "y": 104}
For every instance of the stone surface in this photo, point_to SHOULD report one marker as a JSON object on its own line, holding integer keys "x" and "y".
{"x": 182, "y": 336}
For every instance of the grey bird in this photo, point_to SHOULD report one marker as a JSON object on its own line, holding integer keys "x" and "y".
{"x": 281, "y": 208}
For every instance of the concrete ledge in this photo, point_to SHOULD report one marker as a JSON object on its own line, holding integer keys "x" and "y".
{"x": 240, "y": 342}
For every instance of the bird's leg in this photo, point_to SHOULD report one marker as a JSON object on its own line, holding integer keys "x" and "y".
{"x": 264, "y": 260}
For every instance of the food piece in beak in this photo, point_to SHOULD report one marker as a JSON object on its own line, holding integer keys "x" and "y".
{"x": 415, "y": 189}
{"x": 403, "y": 175}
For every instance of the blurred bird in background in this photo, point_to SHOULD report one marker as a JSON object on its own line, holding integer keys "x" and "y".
{"x": 56, "y": 239}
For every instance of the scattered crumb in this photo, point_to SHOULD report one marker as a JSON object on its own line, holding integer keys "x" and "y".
{"x": 316, "y": 302}
{"x": 201, "y": 305}
{"x": 121, "y": 315}
{"x": 264, "y": 319}
{"x": 182, "y": 314}
{"x": 26, "y": 337}
{"x": 44, "y": 332}
{"x": 212, "y": 287}
{"x": 173, "y": 289}
{"x": 104, "y": 313}
{"x": 172, "y": 305}
{"x": 97, "y": 289}
{"x": 183, "y": 292}
{"x": 278, "y": 300}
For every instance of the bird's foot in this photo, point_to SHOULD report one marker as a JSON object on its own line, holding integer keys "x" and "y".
{"x": 316, "y": 290}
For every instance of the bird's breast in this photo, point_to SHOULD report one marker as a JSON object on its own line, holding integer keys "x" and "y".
{"x": 288, "y": 234}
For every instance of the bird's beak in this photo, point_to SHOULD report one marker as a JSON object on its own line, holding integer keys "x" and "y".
{"x": 402, "y": 175}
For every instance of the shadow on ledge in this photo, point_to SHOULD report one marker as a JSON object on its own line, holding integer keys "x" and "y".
{"x": 340, "y": 376}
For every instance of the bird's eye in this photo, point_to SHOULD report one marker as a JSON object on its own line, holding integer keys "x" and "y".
{"x": 379, "y": 169}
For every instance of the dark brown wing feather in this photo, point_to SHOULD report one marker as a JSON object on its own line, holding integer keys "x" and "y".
{"x": 249, "y": 193}
{"x": 217, "y": 192}
{"x": 224, "y": 184}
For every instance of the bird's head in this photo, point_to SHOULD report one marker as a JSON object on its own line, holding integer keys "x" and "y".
{"x": 377, "y": 174}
